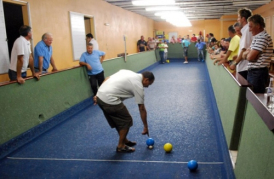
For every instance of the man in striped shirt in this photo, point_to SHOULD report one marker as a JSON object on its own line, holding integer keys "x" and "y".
{"x": 259, "y": 54}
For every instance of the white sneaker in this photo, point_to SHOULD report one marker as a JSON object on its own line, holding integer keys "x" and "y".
{"x": 186, "y": 62}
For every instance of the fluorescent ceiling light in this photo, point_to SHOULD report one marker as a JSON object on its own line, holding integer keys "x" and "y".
{"x": 163, "y": 8}
{"x": 153, "y": 2}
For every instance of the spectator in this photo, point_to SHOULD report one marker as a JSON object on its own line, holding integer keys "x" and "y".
{"x": 21, "y": 57}
{"x": 193, "y": 38}
{"x": 165, "y": 52}
{"x": 90, "y": 39}
{"x": 259, "y": 54}
{"x": 156, "y": 40}
{"x": 233, "y": 47}
{"x": 173, "y": 40}
{"x": 200, "y": 47}
{"x": 238, "y": 28}
{"x": 141, "y": 44}
{"x": 210, "y": 36}
{"x": 225, "y": 46}
{"x": 241, "y": 64}
{"x": 43, "y": 55}
{"x": 165, "y": 40}
{"x": 120, "y": 86}
{"x": 162, "y": 48}
{"x": 179, "y": 39}
{"x": 185, "y": 45}
{"x": 93, "y": 60}
{"x": 150, "y": 44}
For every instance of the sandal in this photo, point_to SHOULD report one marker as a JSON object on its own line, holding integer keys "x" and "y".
{"x": 130, "y": 143}
{"x": 126, "y": 149}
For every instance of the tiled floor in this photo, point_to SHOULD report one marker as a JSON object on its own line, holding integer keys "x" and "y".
{"x": 233, "y": 156}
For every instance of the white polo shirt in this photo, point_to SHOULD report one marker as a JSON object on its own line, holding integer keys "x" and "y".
{"x": 245, "y": 43}
{"x": 120, "y": 86}
{"x": 21, "y": 46}
{"x": 94, "y": 43}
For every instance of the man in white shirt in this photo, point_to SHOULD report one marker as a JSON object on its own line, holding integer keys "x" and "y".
{"x": 90, "y": 39}
{"x": 21, "y": 56}
{"x": 120, "y": 86}
{"x": 239, "y": 63}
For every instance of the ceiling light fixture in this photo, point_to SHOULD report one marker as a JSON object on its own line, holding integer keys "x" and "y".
{"x": 163, "y": 8}
{"x": 153, "y": 2}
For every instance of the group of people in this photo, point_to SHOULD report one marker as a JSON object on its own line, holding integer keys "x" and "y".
{"x": 112, "y": 90}
{"x": 21, "y": 57}
{"x": 248, "y": 50}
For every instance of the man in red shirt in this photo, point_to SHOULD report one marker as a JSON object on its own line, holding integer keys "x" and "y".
{"x": 193, "y": 38}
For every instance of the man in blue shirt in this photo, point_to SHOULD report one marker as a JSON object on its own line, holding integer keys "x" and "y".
{"x": 200, "y": 46}
{"x": 185, "y": 45}
{"x": 43, "y": 55}
{"x": 93, "y": 60}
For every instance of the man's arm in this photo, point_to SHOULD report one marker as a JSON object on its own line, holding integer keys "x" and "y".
{"x": 252, "y": 55}
{"x": 238, "y": 59}
{"x": 102, "y": 58}
{"x": 53, "y": 64}
{"x": 143, "y": 114}
{"x": 40, "y": 64}
{"x": 85, "y": 64}
{"x": 95, "y": 97}
{"x": 31, "y": 65}
{"x": 223, "y": 59}
{"x": 19, "y": 68}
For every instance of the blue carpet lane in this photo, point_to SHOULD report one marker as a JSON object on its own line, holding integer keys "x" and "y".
{"x": 179, "y": 112}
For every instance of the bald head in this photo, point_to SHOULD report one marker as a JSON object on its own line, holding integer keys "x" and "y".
{"x": 47, "y": 38}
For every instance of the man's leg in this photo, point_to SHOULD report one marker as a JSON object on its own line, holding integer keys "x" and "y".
{"x": 258, "y": 79}
{"x": 202, "y": 52}
{"x": 93, "y": 84}
{"x": 100, "y": 78}
{"x": 199, "y": 52}
{"x": 185, "y": 53}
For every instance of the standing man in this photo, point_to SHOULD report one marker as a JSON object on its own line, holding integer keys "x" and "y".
{"x": 141, "y": 44}
{"x": 43, "y": 55}
{"x": 120, "y": 86}
{"x": 90, "y": 39}
{"x": 93, "y": 60}
{"x": 150, "y": 44}
{"x": 259, "y": 54}
{"x": 233, "y": 47}
{"x": 200, "y": 47}
{"x": 241, "y": 64}
{"x": 185, "y": 45}
{"x": 21, "y": 56}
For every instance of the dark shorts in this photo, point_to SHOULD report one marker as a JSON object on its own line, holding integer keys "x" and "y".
{"x": 117, "y": 115}
{"x": 13, "y": 75}
{"x": 185, "y": 51}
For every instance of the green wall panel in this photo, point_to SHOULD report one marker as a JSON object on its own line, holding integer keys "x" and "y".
{"x": 255, "y": 156}
{"x": 228, "y": 96}
{"x": 25, "y": 106}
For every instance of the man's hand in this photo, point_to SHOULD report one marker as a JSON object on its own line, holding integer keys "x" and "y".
{"x": 232, "y": 66}
{"x": 216, "y": 61}
{"x": 145, "y": 131}
{"x": 95, "y": 100}
{"x": 36, "y": 75}
{"x": 246, "y": 53}
{"x": 54, "y": 70}
{"x": 88, "y": 67}
{"x": 20, "y": 80}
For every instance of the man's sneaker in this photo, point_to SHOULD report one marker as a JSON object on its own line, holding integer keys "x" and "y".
{"x": 186, "y": 62}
